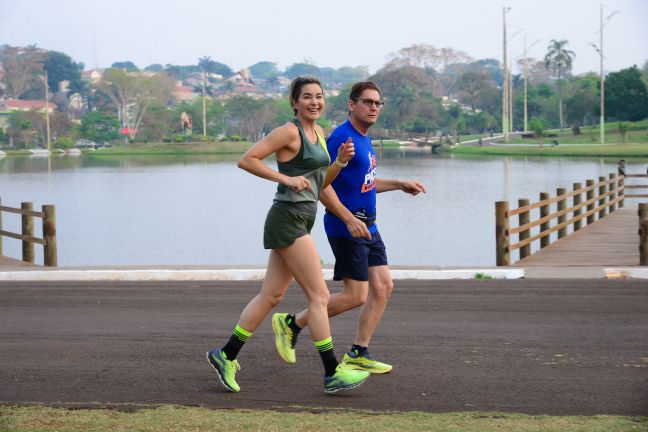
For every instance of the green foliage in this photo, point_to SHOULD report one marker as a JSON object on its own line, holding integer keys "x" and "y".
{"x": 126, "y": 65}
{"x": 99, "y": 127}
{"x": 64, "y": 143}
{"x": 482, "y": 276}
{"x": 626, "y": 96}
{"x": 60, "y": 67}
{"x": 537, "y": 126}
{"x": 301, "y": 69}
{"x": 264, "y": 70}
{"x": 235, "y": 138}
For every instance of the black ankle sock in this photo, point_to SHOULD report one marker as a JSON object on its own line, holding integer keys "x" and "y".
{"x": 291, "y": 320}
{"x": 330, "y": 362}
{"x": 232, "y": 347}
{"x": 360, "y": 350}
{"x": 236, "y": 342}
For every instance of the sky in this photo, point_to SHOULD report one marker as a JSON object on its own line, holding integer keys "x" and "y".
{"x": 329, "y": 33}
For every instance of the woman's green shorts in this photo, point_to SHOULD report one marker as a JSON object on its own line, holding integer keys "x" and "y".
{"x": 285, "y": 223}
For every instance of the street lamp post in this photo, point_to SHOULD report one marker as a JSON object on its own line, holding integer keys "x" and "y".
{"x": 47, "y": 119}
{"x": 599, "y": 49}
{"x": 505, "y": 85}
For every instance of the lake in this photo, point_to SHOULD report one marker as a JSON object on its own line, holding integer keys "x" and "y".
{"x": 203, "y": 210}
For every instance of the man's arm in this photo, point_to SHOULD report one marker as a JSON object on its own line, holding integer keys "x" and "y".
{"x": 413, "y": 187}
{"x": 357, "y": 228}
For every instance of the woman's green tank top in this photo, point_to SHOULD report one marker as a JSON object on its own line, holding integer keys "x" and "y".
{"x": 312, "y": 162}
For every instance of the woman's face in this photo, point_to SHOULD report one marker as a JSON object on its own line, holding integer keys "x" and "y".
{"x": 310, "y": 103}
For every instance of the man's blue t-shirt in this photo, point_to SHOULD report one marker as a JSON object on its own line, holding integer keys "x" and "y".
{"x": 356, "y": 184}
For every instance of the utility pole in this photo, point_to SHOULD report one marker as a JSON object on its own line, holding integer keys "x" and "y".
{"x": 505, "y": 81}
{"x": 204, "y": 103}
{"x": 47, "y": 120}
{"x": 510, "y": 94}
{"x": 600, "y": 51}
{"x": 602, "y": 119}
{"x": 526, "y": 71}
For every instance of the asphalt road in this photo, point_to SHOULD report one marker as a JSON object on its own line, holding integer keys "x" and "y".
{"x": 562, "y": 347}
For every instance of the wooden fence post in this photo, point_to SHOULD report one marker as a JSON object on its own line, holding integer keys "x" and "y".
{"x": 590, "y": 196}
{"x": 561, "y": 205}
{"x": 27, "y": 230}
{"x": 612, "y": 195}
{"x": 523, "y": 219}
{"x": 643, "y": 234}
{"x": 601, "y": 201}
{"x": 576, "y": 200}
{"x": 502, "y": 253}
{"x": 544, "y": 211}
{"x": 49, "y": 235}
{"x": 621, "y": 184}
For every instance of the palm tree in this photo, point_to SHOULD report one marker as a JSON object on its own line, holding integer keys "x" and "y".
{"x": 559, "y": 60}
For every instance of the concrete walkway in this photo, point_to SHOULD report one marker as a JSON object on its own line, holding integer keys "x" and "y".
{"x": 214, "y": 273}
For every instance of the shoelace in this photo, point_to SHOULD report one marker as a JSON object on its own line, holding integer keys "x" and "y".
{"x": 293, "y": 340}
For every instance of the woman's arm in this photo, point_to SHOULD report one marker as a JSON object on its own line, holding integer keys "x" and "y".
{"x": 284, "y": 139}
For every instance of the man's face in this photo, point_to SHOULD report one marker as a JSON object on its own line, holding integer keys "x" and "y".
{"x": 366, "y": 108}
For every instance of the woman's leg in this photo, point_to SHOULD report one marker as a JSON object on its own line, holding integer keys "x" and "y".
{"x": 303, "y": 261}
{"x": 275, "y": 283}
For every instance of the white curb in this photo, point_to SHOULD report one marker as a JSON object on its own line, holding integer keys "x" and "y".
{"x": 231, "y": 274}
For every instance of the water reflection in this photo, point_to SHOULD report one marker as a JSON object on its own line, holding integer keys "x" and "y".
{"x": 202, "y": 209}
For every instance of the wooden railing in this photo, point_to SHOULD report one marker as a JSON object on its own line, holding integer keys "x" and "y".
{"x": 622, "y": 171}
{"x": 601, "y": 199}
{"x": 48, "y": 216}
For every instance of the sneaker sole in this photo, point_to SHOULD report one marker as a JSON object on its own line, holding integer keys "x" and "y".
{"x": 276, "y": 328}
{"x": 349, "y": 387}
{"x": 362, "y": 368}
{"x": 220, "y": 376}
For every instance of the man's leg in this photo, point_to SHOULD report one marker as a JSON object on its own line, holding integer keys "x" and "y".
{"x": 380, "y": 289}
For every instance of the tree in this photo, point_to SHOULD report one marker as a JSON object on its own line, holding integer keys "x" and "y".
{"x": 22, "y": 66}
{"x": 301, "y": 69}
{"x": 581, "y": 104}
{"x": 626, "y": 96}
{"x": 156, "y": 67}
{"x": 132, "y": 94}
{"x": 559, "y": 60}
{"x": 61, "y": 67}
{"x": 264, "y": 70}
{"x": 99, "y": 127}
{"x": 125, "y": 65}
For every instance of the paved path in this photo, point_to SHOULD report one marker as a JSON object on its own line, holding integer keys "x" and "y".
{"x": 532, "y": 346}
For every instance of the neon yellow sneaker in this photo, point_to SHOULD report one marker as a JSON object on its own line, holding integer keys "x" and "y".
{"x": 226, "y": 369}
{"x": 353, "y": 360}
{"x": 344, "y": 379}
{"x": 285, "y": 338}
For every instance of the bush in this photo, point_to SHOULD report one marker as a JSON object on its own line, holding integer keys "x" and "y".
{"x": 235, "y": 138}
{"x": 64, "y": 143}
{"x": 178, "y": 138}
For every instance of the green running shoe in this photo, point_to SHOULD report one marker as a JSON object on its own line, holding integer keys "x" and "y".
{"x": 353, "y": 360}
{"x": 285, "y": 337}
{"x": 344, "y": 379}
{"x": 226, "y": 369}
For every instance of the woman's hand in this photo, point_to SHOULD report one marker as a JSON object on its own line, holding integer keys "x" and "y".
{"x": 298, "y": 184}
{"x": 346, "y": 151}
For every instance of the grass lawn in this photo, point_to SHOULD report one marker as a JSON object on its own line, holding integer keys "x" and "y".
{"x": 632, "y": 150}
{"x": 173, "y": 418}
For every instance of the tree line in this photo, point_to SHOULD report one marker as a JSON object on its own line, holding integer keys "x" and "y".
{"x": 426, "y": 90}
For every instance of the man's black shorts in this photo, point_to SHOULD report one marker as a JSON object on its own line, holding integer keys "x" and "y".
{"x": 354, "y": 256}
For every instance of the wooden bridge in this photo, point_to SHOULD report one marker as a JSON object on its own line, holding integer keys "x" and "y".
{"x": 618, "y": 238}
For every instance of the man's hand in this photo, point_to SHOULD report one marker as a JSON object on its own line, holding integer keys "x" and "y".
{"x": 413, "y": 187}
{"x": 357, "y": 228}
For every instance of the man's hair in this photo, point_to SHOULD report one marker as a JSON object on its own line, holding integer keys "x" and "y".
{"x": 361, "y": 86}
{"x": 296, "y": 87}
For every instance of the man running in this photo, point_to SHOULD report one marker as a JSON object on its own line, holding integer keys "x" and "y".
{"x": 350, "y": 223}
